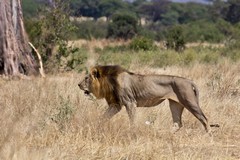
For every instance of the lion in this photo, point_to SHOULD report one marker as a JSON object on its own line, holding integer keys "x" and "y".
{"x": 120, "y": 87}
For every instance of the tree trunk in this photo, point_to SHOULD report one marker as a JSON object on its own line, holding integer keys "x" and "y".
{"x": 15, "y": 53}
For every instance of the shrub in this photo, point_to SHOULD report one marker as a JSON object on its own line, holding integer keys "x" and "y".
{"x": 142, "y": 43}
{"x": 63, "y": 113}
{"x": 203, "y": 31}
{"x": 175, "y": 39}
{"x": 76, "y": 60}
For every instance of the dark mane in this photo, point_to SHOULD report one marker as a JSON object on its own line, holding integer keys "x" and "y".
{"x": 110, "y": 70}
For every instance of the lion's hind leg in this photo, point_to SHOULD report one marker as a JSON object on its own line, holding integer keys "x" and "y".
{"x": 176, "y": 110}
{"x": 197, "y": 112}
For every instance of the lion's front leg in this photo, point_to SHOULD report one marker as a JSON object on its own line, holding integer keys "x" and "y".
{"x": 111, "y": 111}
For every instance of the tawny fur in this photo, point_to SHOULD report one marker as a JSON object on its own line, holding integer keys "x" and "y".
{"x": 123, "y": 88}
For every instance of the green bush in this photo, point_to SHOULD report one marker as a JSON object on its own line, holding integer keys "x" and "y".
{"x": 142, "y": 43}
{"x": 34, "y": 29}
{"x": 148, "y": 33}
{"x": 175, "y": 39}
{"x": 76, "y": 60}
{"x": 203, "y": 31}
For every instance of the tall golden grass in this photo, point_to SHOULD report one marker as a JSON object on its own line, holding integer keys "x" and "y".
{"x": 52, "y": 119}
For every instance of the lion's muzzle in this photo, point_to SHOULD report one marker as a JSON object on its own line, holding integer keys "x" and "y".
{"x": 82, "y": 86}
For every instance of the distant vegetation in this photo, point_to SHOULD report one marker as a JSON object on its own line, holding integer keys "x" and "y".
{"x": 175, "y": 24}
{"x": 213, "y": 23}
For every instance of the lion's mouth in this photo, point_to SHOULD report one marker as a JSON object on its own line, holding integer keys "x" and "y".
{"x": 86, "y": 92}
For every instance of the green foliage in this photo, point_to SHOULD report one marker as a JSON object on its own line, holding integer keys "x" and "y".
{"x": 174, "y": 23}
{"x": 76, "y": 60}
{"x": 29, "y": 8}
{"x": 155, "y": 9}
{"x": 142, "y": 43}
{"x": 175, "y": 39}
{"x": 123, "y": 25}
{"x": 52, "y": 31}
{"x": 96, "y": 9}
{"x": 109, "y": 7}
{"x": 203, "y": 31}
{"x": 233, "y": 14}
{"x": 170, "y": 18}
{"x": 218, "y": 9}
{"x": 211, "y": 23}
{"x": 147, "y": 33}
{"x": 56, "y": 26}
{"x": 163, "y": 58}
{"x": 190, "y": 12}
{"x": 87, "y": 8}
{"x": 90, "y": 29}
{"x": 34, "y": 30}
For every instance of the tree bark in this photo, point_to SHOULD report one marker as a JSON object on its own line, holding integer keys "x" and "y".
{"x": 15, "y": 53}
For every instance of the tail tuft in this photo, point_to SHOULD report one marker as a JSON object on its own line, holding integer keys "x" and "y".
{"x": 215, "y": 125}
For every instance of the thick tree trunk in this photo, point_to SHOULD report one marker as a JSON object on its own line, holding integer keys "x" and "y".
{"x": 15, "y": 53}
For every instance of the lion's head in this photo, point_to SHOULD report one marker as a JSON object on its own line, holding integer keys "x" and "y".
{"x": 101, "y": 81}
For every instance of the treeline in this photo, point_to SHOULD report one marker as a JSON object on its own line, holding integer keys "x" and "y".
{"x": 53, "y": 23}
{"x": 214, "y": 22}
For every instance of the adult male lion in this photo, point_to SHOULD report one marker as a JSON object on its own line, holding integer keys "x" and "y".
{"x": 123, "y": 88}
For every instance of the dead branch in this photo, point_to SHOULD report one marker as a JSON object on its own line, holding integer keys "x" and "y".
{"x": 40, "y": 60}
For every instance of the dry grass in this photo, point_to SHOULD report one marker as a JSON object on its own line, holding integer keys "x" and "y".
{"x": 51, "y": 119}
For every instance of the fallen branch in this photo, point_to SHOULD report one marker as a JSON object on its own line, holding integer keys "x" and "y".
{"x": 40, "y": 60}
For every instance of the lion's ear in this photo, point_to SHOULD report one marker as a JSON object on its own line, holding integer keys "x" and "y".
{"x": 95, "y": 73}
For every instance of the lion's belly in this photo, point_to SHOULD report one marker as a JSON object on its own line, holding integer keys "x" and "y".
{"x": 149, "y": 102}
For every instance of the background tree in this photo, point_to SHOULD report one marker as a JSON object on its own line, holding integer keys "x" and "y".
{"x": 175, "y": 39}
{"x": 218, "y": 9}
{"x": 52, "y": 29}
{"x": 109, "y": 7}
{"x": 155, "y": 9}
{"x": 15, "y": 53}
{"x": 233, "y": 12}
{"x": 123, "y": 25}
{"x": 87, "y": 8}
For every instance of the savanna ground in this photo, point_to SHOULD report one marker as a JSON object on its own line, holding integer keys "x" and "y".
{"x": 50, "y": 118}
